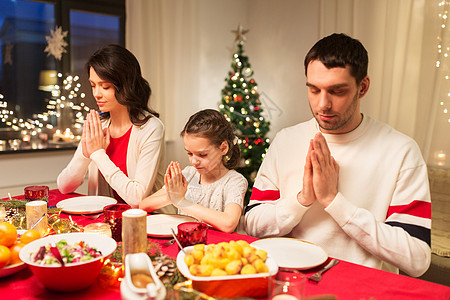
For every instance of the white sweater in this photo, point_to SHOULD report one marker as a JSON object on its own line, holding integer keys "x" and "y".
{"x": 230, "y": 188}
{"x": 382, "y": 211}
{"x": 145, "y": 154}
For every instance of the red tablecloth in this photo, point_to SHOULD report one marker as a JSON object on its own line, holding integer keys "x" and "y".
{"x": 345, "y": 280}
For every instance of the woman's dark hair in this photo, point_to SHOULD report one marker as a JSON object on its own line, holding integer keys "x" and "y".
{"x": 120, "y": 67}
{"x": 211, "y": 124}
{"x": 340, "y": 50}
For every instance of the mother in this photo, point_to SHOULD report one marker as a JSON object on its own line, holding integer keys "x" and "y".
{"x": 123, "y": 145}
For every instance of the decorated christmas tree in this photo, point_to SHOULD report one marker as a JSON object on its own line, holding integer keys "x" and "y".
{"x": 241, "y": 105}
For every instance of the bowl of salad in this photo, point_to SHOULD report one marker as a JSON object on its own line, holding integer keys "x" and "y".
{"x": 68, "y": 262}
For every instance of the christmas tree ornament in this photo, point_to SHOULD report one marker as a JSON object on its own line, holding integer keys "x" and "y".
{"x": 248, "y": 72}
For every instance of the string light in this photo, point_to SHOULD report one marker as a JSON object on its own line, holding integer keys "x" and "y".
{"x": 64, "y": 97}
{"x": 443, "y": 51}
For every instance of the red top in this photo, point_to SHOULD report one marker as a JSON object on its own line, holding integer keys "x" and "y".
{"x": 117, "y": 152}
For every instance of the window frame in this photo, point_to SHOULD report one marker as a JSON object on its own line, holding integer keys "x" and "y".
{"x": 63, "y": 8}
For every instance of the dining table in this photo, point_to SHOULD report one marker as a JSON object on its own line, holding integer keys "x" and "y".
{"x": 346, "y": 280}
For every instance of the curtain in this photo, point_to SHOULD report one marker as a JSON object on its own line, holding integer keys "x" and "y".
{"x": 184, "y": 51}
{"x": 164, "y": 37}
{"x": 438, "y": 137}
{"x": 400, "y": 37}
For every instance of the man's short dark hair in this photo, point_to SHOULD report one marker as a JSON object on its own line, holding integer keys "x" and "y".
{"x": 340, "y": 50}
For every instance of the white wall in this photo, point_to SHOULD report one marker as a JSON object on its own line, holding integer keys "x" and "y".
{"x": 19, "y": 170}
{"x": 281, "y": 33}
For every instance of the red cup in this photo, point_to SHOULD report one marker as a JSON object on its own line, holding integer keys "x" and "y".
{"x": 36, "y": 192}
{"x": 191, "y": 233}
{"x": 113, "y": 217}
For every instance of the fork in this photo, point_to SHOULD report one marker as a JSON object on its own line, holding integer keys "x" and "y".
{"x": 318, "y": 276}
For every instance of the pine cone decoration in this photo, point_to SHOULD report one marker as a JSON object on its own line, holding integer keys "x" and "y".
{"x": 164, "y": 266}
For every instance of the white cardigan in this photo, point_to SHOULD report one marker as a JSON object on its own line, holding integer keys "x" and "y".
{"x": 145, "y": 155}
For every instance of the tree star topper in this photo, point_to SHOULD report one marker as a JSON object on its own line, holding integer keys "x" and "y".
{"x": 56, "y": 42}
{"x": 240, "y": 34}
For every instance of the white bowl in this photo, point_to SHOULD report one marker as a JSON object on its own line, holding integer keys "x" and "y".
{"x": 75, "y": 276}
{"x": 230, "y": 286}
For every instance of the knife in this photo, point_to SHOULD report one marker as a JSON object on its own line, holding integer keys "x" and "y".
{"x": 37, "y": 222}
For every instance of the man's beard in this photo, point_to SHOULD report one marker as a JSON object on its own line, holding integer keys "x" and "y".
{"x": 341, "y": 121}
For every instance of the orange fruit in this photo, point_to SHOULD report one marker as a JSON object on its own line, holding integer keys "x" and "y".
{"x": 29, "y": 236}
{"x": 5, "y": 255}
{"x": 15, "y": 249}
{"x": 8, "y": 234}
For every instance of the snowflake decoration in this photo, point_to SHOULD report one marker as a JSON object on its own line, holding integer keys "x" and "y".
{"x": 8, "y": 54}
{"x": 56, "y": 42}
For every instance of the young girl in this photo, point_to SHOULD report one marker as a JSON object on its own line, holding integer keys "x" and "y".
{"x": 122, "y": 147}
{"x": 209, "y": 190}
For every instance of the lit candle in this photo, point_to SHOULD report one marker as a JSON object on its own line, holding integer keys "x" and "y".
{"x": 26, "y": 138}
{"x": 56, "y": 135}
{"x": 34, "y": 211}
{"x": 134, "y": 231}
{"x": 100, "y": 228}
{"x": 284, "y": 297}
{"x": 43, "y": 137}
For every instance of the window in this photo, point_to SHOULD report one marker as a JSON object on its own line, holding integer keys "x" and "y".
{"x": 43, "y": 48}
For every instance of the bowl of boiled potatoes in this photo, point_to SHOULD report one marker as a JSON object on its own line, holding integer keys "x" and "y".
{"x": 227, "y": 269}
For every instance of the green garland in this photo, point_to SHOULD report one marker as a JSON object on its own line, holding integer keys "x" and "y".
{"x": 16, "y": 215}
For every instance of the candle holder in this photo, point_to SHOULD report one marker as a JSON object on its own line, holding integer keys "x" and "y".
{"x": 192, "y": 233}
{"x": 34, "y": 211}
{"x": 100, "y": 228}
{"x": 113, "y": 217}
{"x": 287, "y": 286}
{"x": 134, "y": 232}
{"x": 36, "y": 192}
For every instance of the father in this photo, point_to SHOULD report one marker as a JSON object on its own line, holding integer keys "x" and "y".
{"x": 353, "y": 185}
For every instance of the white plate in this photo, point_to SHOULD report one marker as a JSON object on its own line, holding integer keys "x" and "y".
{"x": 9, "y": 270}
{"x": 85, "y": 204}
{"x": 160, "y": 225}
{"x": 292, "y": 253}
